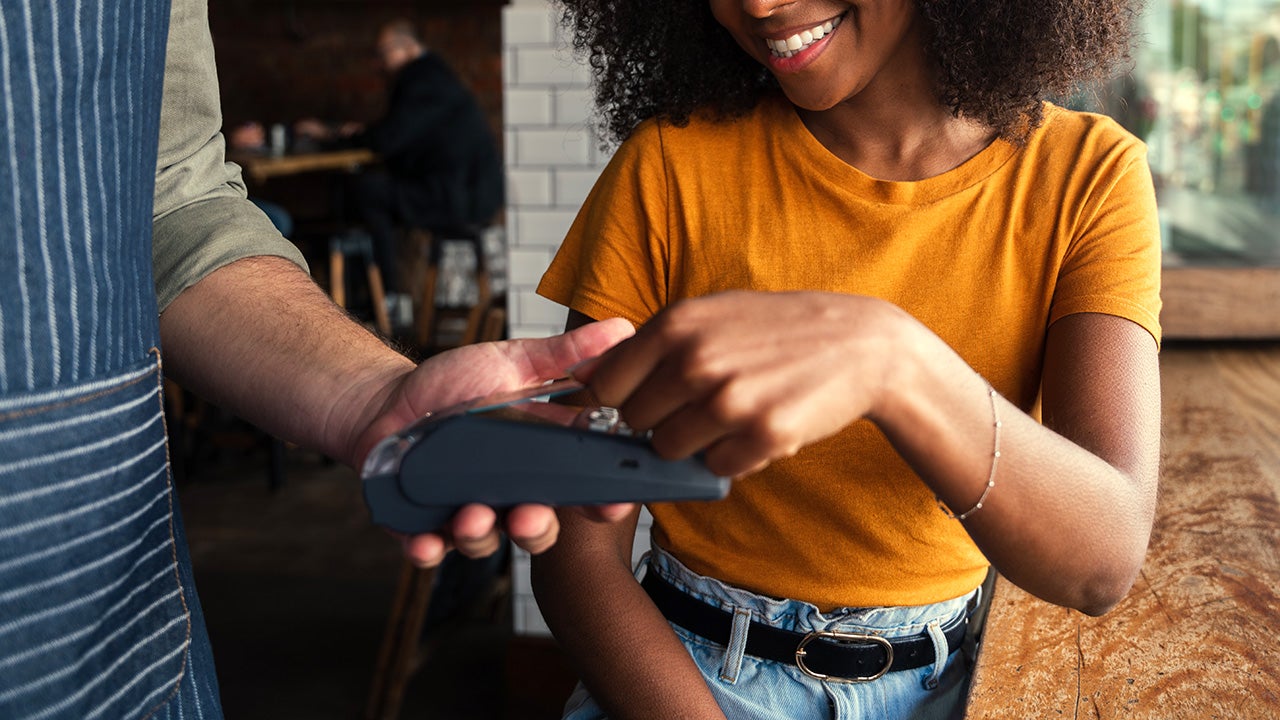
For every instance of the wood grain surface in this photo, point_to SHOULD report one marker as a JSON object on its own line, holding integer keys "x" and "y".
{"x": 1197, "y": 636}
{"x": 261, "y": 168}
{"x": 1206, "y": 302}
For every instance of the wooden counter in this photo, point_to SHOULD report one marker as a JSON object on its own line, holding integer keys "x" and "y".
{"x": 260, "y": 168}
{"x": 1197, "y": 636}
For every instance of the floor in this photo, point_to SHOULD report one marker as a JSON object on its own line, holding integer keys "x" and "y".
{"x": 297, "y": 585}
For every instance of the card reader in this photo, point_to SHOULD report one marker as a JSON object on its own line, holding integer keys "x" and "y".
{"x": 508, "y": 450}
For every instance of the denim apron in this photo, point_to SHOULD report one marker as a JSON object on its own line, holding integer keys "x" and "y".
{"x": 98, "y": 613}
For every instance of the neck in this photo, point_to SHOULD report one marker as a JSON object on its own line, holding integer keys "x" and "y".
{"x": 895, "y": 128}
{"x": 897, "y": 141}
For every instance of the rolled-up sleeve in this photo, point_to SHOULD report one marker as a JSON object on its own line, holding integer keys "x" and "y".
{"x": 203, "y": 220}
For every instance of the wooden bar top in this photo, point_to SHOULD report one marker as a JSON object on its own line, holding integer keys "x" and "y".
{"x": 261, "y": 167}
{"x": 1197, "y": 636}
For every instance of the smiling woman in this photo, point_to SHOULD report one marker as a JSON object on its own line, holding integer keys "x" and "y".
{"x": 995, "y": 61}
{"x": 867, "y": 258}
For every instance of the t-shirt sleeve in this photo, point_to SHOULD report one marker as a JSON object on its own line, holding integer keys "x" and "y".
{"x": 1113, "y": 265}
{"x": 614, "y": 261}
{"x": 202, "y": 219}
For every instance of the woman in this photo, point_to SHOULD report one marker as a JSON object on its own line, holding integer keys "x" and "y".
{"x": 864, "y": 248}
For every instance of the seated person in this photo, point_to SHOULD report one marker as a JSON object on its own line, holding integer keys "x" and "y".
{"x": 251, "y": 137}
{"x": 441, "y": 167}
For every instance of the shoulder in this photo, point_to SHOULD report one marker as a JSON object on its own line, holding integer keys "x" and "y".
{"x": 707, "y": 136}
{"x": 1085, "y": 133}
{"x": 429, "y": 68}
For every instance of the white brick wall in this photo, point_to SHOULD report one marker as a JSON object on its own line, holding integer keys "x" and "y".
{"x": 553, "y": 159}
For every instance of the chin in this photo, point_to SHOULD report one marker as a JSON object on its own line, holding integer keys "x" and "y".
{"x": 810, "y": 102}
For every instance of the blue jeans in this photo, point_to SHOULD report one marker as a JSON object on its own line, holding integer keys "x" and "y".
{"x": 751, "y": 688}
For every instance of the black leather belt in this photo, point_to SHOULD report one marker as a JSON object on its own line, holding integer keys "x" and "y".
{"x": 825, "y": 655}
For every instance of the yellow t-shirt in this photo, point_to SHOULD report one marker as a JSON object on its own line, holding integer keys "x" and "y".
{"x": 987, "y": 255}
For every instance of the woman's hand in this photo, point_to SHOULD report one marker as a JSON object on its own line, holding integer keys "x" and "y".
{"x": 752, "y": 377}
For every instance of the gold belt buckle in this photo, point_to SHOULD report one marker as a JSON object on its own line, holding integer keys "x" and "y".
{"x": 844, "y": 638}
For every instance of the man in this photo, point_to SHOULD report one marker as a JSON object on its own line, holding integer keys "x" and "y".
{"x": 441, "y": 168}
{"x": 98, "y": 612}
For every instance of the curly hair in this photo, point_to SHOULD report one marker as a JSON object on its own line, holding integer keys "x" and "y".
{"x": 995, "y": 61}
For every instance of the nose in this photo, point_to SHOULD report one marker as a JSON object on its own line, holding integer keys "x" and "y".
{"x": 764, "y": 8}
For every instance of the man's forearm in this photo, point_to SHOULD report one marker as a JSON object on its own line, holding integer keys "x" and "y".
{"x": 259, "y": 338}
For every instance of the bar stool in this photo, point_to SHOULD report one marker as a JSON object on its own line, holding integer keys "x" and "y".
{"x": 357, "y": 243}
{"x": 401, "y": 652}
{"x": 428, "y": 310}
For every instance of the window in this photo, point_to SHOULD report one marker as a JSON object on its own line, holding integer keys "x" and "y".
{"x": 1205, "y": 96}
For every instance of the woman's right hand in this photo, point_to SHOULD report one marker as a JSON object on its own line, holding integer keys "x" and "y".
{"x": 751, "y": 377}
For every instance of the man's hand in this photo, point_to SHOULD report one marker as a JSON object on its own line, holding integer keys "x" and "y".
{"x": 474, "y": 371}
{"x": 258, "y": 337}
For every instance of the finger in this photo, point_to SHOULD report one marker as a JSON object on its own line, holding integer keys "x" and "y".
{"x": 474, "y": 530}
{"x": 533, "y": 527}
{"x": 616, "y": 375}
{"x": 687, "y": 431}
{"x": 667, "y": 391}
{"x": 740, "y": 454}
{"x": 425, "y": 551}
{"x": 549, "y": 358}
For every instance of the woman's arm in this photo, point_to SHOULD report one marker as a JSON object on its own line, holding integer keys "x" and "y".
{"x": 752, "y": 377}
{"x": 622, "y": 647}
{"x": 1071, "y": 512}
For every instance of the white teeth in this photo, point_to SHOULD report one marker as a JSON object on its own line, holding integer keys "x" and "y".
{"x": 793, "y": 45}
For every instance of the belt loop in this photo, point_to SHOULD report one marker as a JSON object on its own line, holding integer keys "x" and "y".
{"x": 642, "y": 566}
{"x": 940, "y": 654}
{"x": 737, "y": 645}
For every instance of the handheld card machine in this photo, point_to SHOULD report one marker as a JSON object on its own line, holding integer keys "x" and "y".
{"x": 507, "y": 450}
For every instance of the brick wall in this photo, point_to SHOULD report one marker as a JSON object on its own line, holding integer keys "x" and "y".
{"x": 551, "y": 153}
{"x": 553, "y": 158}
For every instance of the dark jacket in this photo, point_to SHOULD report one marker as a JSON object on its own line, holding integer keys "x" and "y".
{"x": 436, "y": 144}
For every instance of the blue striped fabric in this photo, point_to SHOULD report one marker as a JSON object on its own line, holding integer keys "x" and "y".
{"x": 98, "y": 613}
{"x": 78, "y": 130}
{"x": 92, "y": 612}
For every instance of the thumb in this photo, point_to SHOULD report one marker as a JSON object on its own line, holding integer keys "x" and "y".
{"x": 584, "y": 345}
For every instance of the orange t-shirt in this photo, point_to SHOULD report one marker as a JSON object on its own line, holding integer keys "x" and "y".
{"x": 987, "y": 255}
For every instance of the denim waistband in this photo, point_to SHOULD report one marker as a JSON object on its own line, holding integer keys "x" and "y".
{"x": 804, "y": 617}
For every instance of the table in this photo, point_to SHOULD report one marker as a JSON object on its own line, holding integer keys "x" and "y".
{"x": 1196, "y": 637}
{"x": 260, "y": 168}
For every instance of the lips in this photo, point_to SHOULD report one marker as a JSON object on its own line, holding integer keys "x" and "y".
{"x": 795, "y": 44}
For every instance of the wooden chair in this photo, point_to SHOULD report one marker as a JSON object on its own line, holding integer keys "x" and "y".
{"x": 358, "y": 244}
{"x": 399, "y": 655}
{"x": 428, "y": 311}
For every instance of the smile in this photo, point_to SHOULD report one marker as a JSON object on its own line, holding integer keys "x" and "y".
{"x": 797, "y": 43}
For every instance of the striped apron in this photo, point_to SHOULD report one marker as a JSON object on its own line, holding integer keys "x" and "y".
{"x": 98, "y": 613}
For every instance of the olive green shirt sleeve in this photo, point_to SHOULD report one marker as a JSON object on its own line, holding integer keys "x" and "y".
{"x": 202, "y": 219}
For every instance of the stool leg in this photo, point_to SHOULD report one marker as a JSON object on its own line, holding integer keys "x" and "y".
{"x": 427, "y": 311}
{"x": 337, "y": 283}
{"x": 494, "y": 322}
{"x": 400, "y": 642}
{"x": 379, "y": 299}
{"x": 478, "y": 310}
